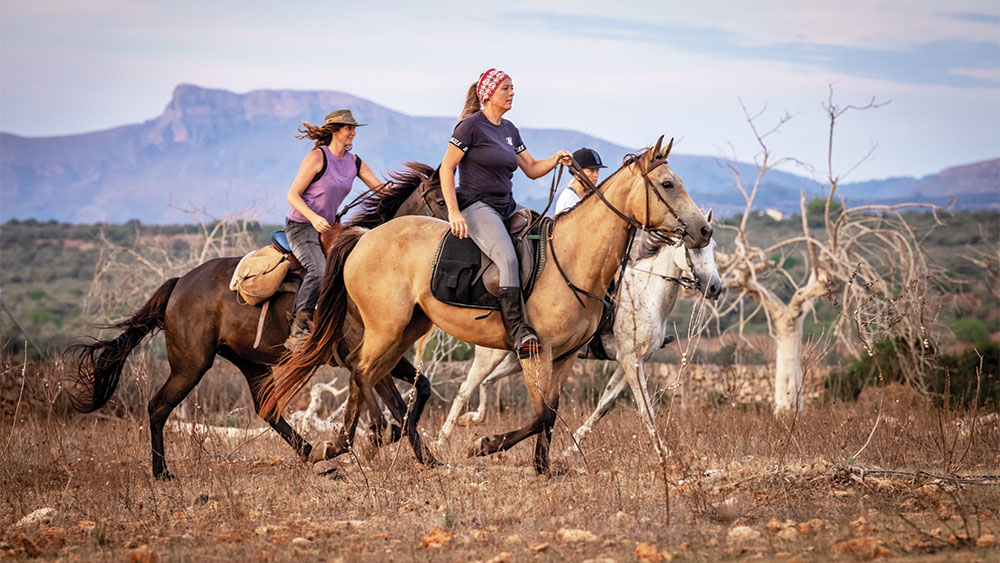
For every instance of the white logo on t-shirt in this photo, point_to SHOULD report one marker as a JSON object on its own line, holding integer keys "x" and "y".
{"x": 510, "y": 141}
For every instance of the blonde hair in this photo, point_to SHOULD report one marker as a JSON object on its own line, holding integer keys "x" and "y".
{"x": 322, "y": 134}
{"x": 472, "y": 104}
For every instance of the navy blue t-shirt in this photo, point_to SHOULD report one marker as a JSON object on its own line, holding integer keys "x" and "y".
{"x": 485, "y": 172}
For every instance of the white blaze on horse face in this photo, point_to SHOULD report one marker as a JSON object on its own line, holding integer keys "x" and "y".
{"x": 704, "y": 268}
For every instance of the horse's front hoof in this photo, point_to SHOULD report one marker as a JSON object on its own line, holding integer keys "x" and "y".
{"x": 558, "y": 467}
{"x": 321, "y": 451}
{"x": 470, "y": 418}
{"x": 164, "y": 476}
{"x": 428, "y": 459}
{"x": 326, "y": 468}
{"x": 479, "y": 447}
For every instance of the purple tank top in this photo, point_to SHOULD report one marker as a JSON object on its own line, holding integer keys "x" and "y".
{"x": 326, "y": 194}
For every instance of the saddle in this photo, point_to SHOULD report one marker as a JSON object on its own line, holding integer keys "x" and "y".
{"x": 270, "y": 270}
{"x": 463, "y": 276}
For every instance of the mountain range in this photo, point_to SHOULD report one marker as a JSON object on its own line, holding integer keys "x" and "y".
{"x": 212, "y": 153}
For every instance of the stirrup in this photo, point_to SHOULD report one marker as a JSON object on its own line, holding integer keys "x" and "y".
{"x": 528, "y": 344}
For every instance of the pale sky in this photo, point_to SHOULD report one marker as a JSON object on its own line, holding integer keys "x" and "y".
{"x": 626, "y": 71}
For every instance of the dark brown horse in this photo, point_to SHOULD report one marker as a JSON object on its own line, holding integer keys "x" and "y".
{"x": 201, "y": 318}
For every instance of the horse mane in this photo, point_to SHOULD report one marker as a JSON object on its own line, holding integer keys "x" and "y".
{"x": 379, "y": 209}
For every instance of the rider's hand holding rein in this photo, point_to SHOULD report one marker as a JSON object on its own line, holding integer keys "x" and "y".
{"x": 535, "y": 169}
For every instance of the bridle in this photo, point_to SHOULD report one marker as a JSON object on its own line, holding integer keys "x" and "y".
{"x": 677, "y": 233}
{"x": 672, "y": 236}
{"x": 426, "y": 187}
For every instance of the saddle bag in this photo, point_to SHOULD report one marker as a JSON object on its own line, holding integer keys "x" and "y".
{"x": 259, "y": 275}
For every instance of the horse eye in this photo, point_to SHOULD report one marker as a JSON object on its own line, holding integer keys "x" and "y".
{"x": 667, "y": 184}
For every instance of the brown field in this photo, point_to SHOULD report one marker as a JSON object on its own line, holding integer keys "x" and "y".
{"x": 742, "y": 483}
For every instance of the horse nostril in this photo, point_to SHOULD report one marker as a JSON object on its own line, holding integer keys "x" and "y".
{"x": 706, "y": 232}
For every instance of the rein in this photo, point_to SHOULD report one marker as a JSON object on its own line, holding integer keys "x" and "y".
{"x": 365, "y": 196}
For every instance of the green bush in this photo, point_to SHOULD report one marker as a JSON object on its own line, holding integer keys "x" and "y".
{"x": 970, "y": 330}
{"x": 954, "y": 380}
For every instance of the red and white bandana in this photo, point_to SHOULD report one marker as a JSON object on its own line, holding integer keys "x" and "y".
{"x": 488, "y": 83}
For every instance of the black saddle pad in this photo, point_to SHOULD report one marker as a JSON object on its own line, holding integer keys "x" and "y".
{"x": 457, "y": 277}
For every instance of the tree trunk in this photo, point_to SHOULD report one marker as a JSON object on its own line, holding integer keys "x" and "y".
{"x": 788, "y": 363}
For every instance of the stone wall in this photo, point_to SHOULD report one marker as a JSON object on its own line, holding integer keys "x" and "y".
{"x": 729, "y": 383}
{"x": 699, "y": 382}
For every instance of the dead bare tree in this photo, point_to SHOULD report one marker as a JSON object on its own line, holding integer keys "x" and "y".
{"x": 866, "y": 260}
{"x": 126, "y": 274}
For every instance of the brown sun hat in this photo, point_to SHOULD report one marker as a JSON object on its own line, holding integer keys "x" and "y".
{"x": 342, "y": 117}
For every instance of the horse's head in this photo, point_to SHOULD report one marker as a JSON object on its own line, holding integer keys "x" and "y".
{"x": 433, "y": 197}
{"x": 660, "y": 201}
{"x": 699, "y": 264}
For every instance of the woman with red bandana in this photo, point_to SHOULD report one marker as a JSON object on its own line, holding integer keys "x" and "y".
{"x": 486, "y": 149}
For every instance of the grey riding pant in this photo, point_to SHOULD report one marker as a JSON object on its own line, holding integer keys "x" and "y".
{"x": 489, "y": 231}
{"x": 304, "y": 240}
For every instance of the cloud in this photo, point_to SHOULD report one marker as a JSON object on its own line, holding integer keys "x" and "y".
{"x": 948, "y": 62}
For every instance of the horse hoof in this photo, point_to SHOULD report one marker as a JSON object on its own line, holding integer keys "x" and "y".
{"x": 557, "y": 468}
{"x": 429, "y": 460}
{"x": 322, "y": 451}
{"x": 478, "y": 447}
{"x": 164, "y": 476}
{"x": 470, "y": 418}
{"x": 326, "y": 468}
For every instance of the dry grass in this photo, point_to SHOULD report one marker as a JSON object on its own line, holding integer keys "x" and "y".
{"x": 743, "y": 483}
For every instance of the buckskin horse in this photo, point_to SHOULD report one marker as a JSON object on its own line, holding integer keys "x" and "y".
{"x": 201, "y": 318}
{"x": 386, "y": 273}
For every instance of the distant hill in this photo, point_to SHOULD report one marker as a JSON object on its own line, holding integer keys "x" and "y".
{"x": 222, "y": 152}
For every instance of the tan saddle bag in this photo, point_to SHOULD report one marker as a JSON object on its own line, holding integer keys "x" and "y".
{"x": 259, "y": 274}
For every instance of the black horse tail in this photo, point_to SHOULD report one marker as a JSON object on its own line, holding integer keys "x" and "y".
{"x": 99, "y": 365}
{"x": 295, "y": 369}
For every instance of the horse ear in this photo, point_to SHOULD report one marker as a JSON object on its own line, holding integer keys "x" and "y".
{"x": 708, "y": 218}
{"x": 656, "y": 148}
{"x": 670, "y": 145}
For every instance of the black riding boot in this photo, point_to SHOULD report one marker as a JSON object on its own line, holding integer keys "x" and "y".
{"x": 522, "y": 337}
{"x": 301, "y": 327}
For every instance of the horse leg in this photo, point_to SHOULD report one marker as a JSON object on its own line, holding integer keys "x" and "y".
{"x": 257, "y": 376}
{"x": 487, "y": 360}
{"x": 560, "y": 372}
{"x": 611, "y": 392}
{"x": 636, "y": 376}
{"x": 397, "y": 408}
{"x": 543, "y": 382}
{"x": 405, "y": 371}
{"x": 379, "y": 352}
{"x": 185, "y": 373}
{"x": 510, "y": 365}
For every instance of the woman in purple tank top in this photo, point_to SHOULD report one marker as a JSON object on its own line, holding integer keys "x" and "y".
{"x": 324, "y": 180}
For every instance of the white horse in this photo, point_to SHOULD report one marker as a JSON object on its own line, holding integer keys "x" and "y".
{"x": 649, "y": 289}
